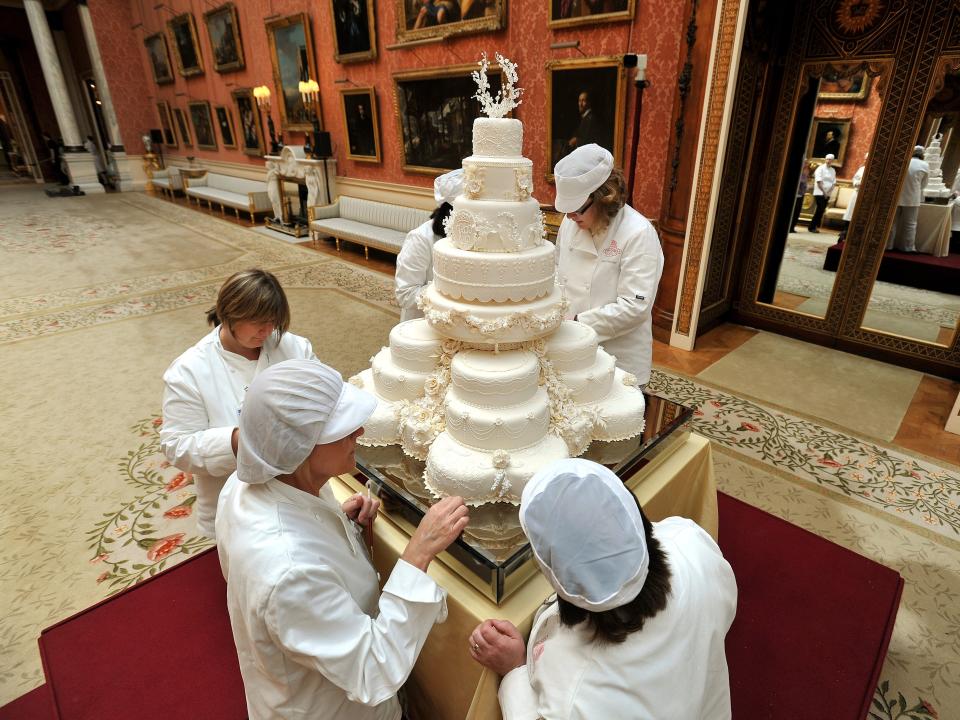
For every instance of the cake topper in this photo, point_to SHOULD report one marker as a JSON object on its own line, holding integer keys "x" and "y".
{"x": 508, "y": 97}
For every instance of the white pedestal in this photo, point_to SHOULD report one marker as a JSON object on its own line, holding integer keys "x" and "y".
{"x": 83, "y": 172}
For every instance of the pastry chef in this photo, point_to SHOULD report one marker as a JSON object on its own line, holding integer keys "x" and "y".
{"x": 609, "y": 259}
{"x": 204, "y": 387}
{"x": 315, "y": 636}
{"x": 415, "y": 261}
{"x": 636, "y": 633}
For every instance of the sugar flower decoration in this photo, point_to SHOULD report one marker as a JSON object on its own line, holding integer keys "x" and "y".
{"x": 508, "y": 97}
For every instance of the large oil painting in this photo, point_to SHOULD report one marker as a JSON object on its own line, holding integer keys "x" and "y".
{"x": 183, "y": 127}
{"x": 291, "y": 51}
{"x": 186, "y": 45}
{"x": 159, "y": 58}
{"x": 166, "y": 124}
{"x": 360, "y": 119}
{"x": 202, "y": 124}
{"x": 422, "y": 19}
{"x": 223, "y": 29}
{"x": 566, "y": 13}
{"x": 251, "y": 132}
{"x": 354, "y": 30}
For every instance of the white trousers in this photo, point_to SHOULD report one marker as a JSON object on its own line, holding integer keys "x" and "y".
{"x": 903, "y": 236}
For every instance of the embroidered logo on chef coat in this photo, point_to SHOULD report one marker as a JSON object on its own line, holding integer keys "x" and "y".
{"x": 613, "y": 250}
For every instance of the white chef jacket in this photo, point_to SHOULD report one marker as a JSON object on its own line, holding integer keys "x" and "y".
{"x": 315, "y": 637}
{"x": 856, "y": 182}
{"x": 611, "y": 282}
{"x": 203, "y": 394}
{"x": 911, "y": 194}
{"x": 414, "y": 269}
{"x": 824, "y": 175}
{"x": 674, "y": 667}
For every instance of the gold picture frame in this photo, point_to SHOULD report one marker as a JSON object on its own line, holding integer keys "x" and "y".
{"x": 473, "y": 16}
{"x": 362, "y": 126}
{"x": 248, "y": 115}
{"x": 186, "y": 44}
{"x": 202, "y": 121}
{"x": 354, "y": 30}
{"x": 223, "y": 31}
{"x": 580, "y": 12}
{"x": 424, "y": 93}
{"x": 849, "y": 89}
{"x": 828, "y": 135}
{"x": 603, "y": 80}
{"x": 291, "y": 44}
{"x": 224, "y": 121}
{"x": 166, "y": 124}
{"x": 159, "y": 55}
{"x": 183, "y": 127}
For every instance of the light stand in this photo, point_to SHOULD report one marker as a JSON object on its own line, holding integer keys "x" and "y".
{"x": 641, "y": 83}
{"x": 262, "y": 95}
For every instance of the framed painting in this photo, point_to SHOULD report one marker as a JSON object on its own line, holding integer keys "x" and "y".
{"x": 186, "y": 47}
{"x": 354, "y": 31}
{"x": 828, "y": 136}
{"x": 166, "y": 124}
{"x": 159, "y": 58}
{"x": 421, "y": 19}
{"x": 202, "y": 124}
{"x": 291, "y": 51}
{"x": 225, "y": 123}
{"x": 565, "y": 13}
{"x": 251, "y": 132}
{"x": 360, "y": 119}
{"x": 436, "y": 110}
{"x": 849, "y": 89}
{"x": 183, "y": 127}
{"x": 586, "y": 100}
{"x": 223, "y": 29}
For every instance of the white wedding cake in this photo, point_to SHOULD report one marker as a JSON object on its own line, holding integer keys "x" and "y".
{"x": 493, "y": 383}
{"x": 934, "y": 158}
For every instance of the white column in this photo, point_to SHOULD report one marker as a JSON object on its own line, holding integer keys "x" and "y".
{"x": 103, "y": 90}
{"x": 80, "y": 166}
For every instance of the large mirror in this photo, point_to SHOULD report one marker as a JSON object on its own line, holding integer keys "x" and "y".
{"x": 835, "y": 122}
{"x": 916, "y": 292}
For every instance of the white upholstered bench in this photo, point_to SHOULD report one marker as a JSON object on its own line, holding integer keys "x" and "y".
{"x": 365, "y": 222}
{"x": 250, "y": 196}
{"x": 168, "y": 180}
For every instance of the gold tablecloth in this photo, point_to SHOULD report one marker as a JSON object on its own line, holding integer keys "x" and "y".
{"x": 446, "y": 684}
{"x": 933, "y": 229}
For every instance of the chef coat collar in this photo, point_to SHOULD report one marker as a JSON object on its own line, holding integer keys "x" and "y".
{"x": 325, "y": 500}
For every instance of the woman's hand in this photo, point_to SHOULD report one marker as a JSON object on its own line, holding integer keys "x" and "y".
{"x": 498, "y": 645}
{"x": 361, "y": 509}
{"x": 442, "y": 524}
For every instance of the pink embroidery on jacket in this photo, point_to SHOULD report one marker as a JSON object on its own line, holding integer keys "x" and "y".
{"x": 613, "y": 250}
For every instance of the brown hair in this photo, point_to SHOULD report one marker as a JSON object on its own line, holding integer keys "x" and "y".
{"x": 251, "y": 295}
{"x": 614, "y": 626}
{"x": 609, "y": 198}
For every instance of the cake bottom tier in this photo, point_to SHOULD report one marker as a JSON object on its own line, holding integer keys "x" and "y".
{"x": 485, "y": 477}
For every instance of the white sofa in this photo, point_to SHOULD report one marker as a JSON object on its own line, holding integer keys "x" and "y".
{"x": 365, "y": 222}
{"x": 238, "y": 193}
{"x": 168, "y": 181}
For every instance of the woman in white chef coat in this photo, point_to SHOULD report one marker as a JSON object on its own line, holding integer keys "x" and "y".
{"x": 315, "y": 636}
{"x": 204, "y": 387}
{"x": 415, "y": 261}
{"x": 609, "y": 259}
{"x": 637, "y": 627}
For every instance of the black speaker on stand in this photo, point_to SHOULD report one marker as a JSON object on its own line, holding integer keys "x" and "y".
{"x": 323, "y": 149}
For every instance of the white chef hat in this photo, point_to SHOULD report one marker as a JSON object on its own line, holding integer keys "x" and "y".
{"x": 919, "y": 149}
{"x": 291, "y": 407}
{"x": 586, "y": 533}
{"x": 830, "y": 156}
{"x": 579, "y": 174}
{"x": 447, "y": 186}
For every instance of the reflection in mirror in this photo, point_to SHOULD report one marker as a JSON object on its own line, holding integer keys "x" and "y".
{"x": 916, "y": 293}
{"x": 836, "y": 119}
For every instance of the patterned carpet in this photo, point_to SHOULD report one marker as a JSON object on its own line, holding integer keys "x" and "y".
{"x": 91, "y": 506}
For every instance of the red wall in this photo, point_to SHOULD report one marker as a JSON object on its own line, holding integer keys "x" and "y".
{"x": 657, "y": 31}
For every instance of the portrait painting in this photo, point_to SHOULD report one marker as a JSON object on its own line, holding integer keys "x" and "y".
{"x": 183, "y": 127}
{"x": 565, "y": 13}
{"x": 586, "y": 105}
{"x": 360, "y": 119}
{"x": 354, "y": 31}
{"x": 223, "y": 29}
{"x": 159, "y": 58}
{"x": 852, "y": 88}
{"x": 202, "y": 125}
{"x": 421, "y": 19}
{"x": 225, "y": 123}
{"x": 166, "y": 124}
{"x": 251, "y": 133}
{"x": 291, "y": 51}
{"x": 186, "y": 47}
{"x": 828, "y": 136}
{"x": 436, "y": 109}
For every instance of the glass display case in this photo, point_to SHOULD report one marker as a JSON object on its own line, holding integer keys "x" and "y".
{"x": 493, "y": 554}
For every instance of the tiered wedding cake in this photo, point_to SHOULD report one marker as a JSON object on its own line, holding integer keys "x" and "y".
{"x": 933, "y": 156}
{"x": 493, "y": 384}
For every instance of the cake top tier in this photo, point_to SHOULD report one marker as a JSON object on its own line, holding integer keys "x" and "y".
{"x": 497, "y": 137}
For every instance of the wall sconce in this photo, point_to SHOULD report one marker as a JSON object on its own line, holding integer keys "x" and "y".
{"x": 309, "y": 91}
{"x": 262, "y": 95}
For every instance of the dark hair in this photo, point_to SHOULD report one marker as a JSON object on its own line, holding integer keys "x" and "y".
{"x": 251, "y": 295}
{"x": 610, "y": 197}
{"x": 613, "y": 626}
{"x": 440, "y": 213}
